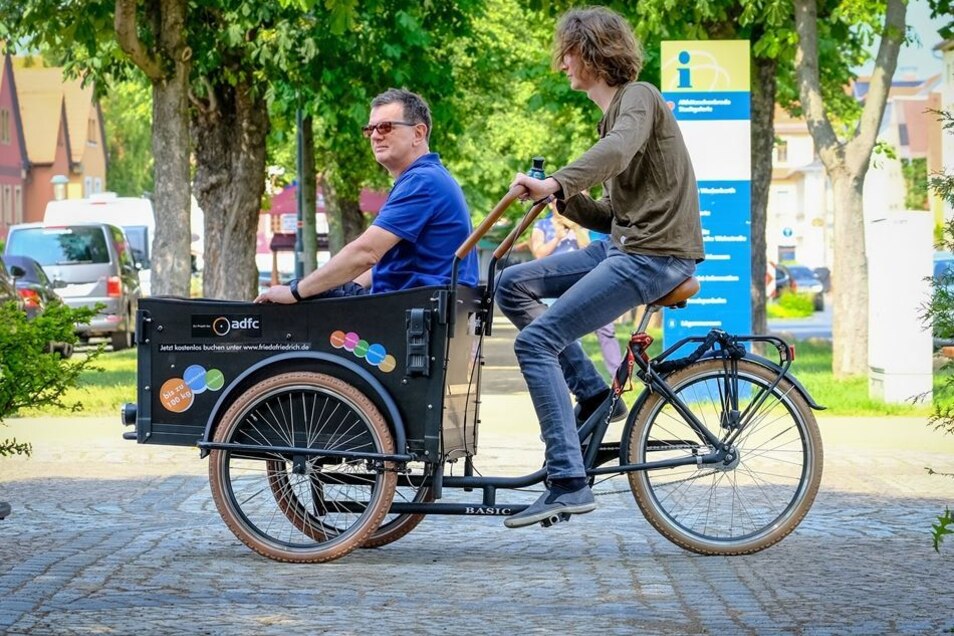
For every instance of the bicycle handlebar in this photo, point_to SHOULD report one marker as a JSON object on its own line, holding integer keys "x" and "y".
{"x": 512, "y": 195}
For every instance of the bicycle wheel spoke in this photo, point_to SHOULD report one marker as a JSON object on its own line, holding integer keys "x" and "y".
{"x": 768, "y": 474}
{"x": 306, "y": 508}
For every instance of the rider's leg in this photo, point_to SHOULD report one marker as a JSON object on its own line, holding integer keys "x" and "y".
{"x": 520, "y": 293}
{"x": 618, "y": 283}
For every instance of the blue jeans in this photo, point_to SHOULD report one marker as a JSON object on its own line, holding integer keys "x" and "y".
{"x": 593, "y": 286}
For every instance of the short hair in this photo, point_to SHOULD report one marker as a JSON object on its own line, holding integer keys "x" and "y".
{"x": 603, "y": 40}
{"x": 416, "y": 110}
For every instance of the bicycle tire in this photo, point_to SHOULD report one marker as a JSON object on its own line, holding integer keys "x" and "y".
{"x": 397, "y": 526}
{"x": 726, "y": 509}
{"x": 309, "y": 410}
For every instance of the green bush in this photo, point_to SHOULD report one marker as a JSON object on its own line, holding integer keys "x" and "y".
{"x": 791, "y": 305}
{"x": 30, "y": 374}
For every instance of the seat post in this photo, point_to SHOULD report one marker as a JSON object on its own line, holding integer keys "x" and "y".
{"x": 647, "y": 315}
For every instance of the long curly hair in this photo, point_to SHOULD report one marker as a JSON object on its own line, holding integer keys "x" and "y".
{"x": 603, "y": 40}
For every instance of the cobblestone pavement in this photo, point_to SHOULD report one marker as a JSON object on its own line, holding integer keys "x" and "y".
{"x": 110, "y": 537}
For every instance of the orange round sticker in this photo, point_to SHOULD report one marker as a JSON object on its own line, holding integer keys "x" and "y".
{"x": 175, "y": 395}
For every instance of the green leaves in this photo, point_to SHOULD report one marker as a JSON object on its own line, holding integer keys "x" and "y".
{"x": 943, "y": 527}
{"x": 29, "y": 374}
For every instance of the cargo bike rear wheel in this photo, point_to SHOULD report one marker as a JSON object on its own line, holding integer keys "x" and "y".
{"x": 304, "y": 508}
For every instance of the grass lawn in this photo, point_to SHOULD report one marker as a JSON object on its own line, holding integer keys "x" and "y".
{"x": 103, "y": 392}
{"x": 812, "y": 367}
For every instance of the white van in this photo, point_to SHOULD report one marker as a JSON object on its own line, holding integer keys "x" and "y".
{"x": 134, "y": 215}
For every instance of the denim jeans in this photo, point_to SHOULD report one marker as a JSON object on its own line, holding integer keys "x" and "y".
{"x": 593, "y": 286}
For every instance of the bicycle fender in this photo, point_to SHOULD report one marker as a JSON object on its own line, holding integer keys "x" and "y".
{"x": 768, "y": 364}
{"x": 400, "y": 438}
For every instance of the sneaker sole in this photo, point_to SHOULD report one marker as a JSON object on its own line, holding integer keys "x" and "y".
{"x": 520, "y": 522}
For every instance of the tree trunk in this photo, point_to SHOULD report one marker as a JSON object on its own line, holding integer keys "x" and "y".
{"x": 345, "y": 219}
{"x": 229, "y": 184}
{"x": 352, "y": 219}
{"x": 335, "y": 231}
{"x": 167, "y": 65}
{"x": 849, "y": 279}
{"x": 309, "y": 193}
{"x": 763, "y": 142}
{"x": 171, "y": 263}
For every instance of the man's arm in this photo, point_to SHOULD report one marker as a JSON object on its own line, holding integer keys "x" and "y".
{"x": 354, "y": 260}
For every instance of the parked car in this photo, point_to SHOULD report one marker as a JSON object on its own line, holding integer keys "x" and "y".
{"x": 943, "y": 276}
{"x": 90, "y": 264}
{"x": 36, "y": 292}
{"x": 944, "y": 268}
{"x": 824, "y": 275}
{"x": 799, "y": 279}
{"x": 7, "y": 290}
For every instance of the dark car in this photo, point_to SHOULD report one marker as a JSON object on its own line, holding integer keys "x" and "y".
{"x": 34, "y": 288}
{"x": 7, "y": 291}
{"x": 801, "y": 280}
{"x": 35, "y": 291}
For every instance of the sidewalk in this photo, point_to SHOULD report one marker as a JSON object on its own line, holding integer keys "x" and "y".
{"x": 110, "y": 536}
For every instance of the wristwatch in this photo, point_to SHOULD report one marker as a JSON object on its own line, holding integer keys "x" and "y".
{"x": 293, "y": 286}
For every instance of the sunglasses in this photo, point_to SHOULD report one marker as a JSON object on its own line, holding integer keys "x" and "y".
{"x": 384, "y": 127}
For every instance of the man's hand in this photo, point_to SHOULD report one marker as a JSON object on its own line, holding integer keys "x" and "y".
{"x": 536, "y": 189}
{"x": 280, "y": 294}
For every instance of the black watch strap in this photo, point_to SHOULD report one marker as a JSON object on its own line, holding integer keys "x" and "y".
{"x": 293, "y": 286}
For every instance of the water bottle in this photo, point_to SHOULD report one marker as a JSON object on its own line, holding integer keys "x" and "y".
{"x": 536, "y": 171}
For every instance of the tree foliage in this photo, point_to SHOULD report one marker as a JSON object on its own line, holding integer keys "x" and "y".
{"x": 940, "y": 312}
{"x": 127, "y": 118}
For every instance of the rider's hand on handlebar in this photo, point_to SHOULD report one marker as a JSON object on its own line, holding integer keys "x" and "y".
{"x": 276, "y": 294}
{"x": 535, "y": 189}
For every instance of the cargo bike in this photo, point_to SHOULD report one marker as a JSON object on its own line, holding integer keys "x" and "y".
{"x": 331, "y": 424}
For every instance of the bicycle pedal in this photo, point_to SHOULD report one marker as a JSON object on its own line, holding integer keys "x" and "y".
{"x": 555, "y": 518}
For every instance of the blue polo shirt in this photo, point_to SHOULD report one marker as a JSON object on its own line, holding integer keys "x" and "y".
{"x": 426, "y": 208}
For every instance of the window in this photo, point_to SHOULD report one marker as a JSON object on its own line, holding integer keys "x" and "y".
{"x": 91, "y": 130}
{"x": 7, "y": 204}
{"x": 4, "y": 126}
{"x": 97, "y": 184}
{"x": 781, "y": 152}
{"x": 87, "y": 187}
{"x": 17, "y": 204}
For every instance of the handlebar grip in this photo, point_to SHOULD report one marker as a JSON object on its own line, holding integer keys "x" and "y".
{"x": 525, "y": 222}
{"x": 512, "y": 195}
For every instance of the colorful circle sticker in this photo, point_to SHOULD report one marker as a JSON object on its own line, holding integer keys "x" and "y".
{"x": 351, "y": 340}
{"x": 387, "y": 365}
{"x": 214, "y": 379}
{"x": 361, "y": 349}
{"x": 194, "y": 376}
{"x": 175, "y": 395}
{"x": 338, "y": 339}
{"x": 375, "y": 354}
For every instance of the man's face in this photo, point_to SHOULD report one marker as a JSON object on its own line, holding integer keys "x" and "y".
{"x": 392, "y": 150}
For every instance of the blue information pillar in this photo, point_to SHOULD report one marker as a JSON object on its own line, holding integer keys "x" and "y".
{"x": 706, "y": 83}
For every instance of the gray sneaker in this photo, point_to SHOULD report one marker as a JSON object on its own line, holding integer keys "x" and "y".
{"x": 551, "y": 506}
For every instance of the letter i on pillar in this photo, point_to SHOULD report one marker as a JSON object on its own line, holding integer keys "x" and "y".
{"x": 685, "y": 81}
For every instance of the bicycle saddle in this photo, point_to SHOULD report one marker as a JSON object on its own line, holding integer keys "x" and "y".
{"x": 680, "y": 294}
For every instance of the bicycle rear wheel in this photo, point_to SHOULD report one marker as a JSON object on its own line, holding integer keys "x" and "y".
{"x": 747, "y": 504}
{"x": 308, "y": 508}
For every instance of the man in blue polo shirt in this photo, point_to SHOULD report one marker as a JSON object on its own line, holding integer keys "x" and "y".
{"x": 412, "y": 240}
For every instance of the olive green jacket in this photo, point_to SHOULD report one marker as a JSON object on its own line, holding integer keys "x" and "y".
{"x": 650, "y": 203}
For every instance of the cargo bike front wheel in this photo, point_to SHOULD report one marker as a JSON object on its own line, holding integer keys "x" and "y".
{"x": 306, "y": 508}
